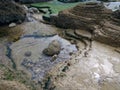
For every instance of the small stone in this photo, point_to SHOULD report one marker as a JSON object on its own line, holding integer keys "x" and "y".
{"x": 12, "y": 25}
{"x": 25, "y": 7}
{"x": 73, "y": 42}
{"x": 68, "y": 64}
{"x": 71, "y": 53}
{"x": 86, "y": 54}
{"x": 28, "y": 53}
{"x": 33, "y": 10}
{"x": 65, "y": 68}
{"x": 54, "y": 57}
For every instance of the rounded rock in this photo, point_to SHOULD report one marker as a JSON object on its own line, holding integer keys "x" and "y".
{"x": 53, "y": 48}
{"x": 28, "y": 53}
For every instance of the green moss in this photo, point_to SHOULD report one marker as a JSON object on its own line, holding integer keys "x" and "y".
{"x": 9, "y": 76}
{"x": 55, "y": 6}
{"x": 1, "y": 65}
{"x": 16, "y": 75}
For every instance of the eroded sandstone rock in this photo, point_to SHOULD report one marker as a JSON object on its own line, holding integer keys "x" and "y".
{"x": 93, "y": 17}
{"x": 53, "y": 48}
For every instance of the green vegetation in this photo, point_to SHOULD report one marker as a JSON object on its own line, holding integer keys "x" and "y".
{"x": 54, "y": 6}
{"x": 16, "y": 75}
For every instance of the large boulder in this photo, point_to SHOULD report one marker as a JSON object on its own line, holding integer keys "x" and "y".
{"x": 53, "y": 48}
{"x": 94, "y": 17}
{"x": 11, "y": 12}
{"x": 82, "y": 15}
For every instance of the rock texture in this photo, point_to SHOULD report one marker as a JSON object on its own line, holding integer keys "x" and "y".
{"x": 81, "y": 16}
{"x": 100, "y": 21}
{"x": 116, "y": 14}
{"x": 10, "y": 12}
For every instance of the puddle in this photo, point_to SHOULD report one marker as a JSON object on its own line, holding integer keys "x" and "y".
{"x": 38, "y": 64}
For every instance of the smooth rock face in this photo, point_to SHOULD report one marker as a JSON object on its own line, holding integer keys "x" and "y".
{"x": 12, "y": 13}
{"x": 53, "y": 48}
{"x": 102, "y": 22}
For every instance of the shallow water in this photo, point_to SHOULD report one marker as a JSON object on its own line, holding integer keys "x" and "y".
{"x": 35, "y": 38}
{"x": 39, "y": 64}
{"x": 113, "y": 5}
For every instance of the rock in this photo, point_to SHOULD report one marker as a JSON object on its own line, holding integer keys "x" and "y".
{"x": 53, "y": 48}
{"x": 12, "y": 25}
{"x": 28, "y": 53}
{"x": 33, "y": 10}
{"x": 65, "y": 68}
{"x": 29, "y": 17}
{"x": 103, "y": 23}
{"x": 11, "y": 12}
{"x": 48, "y": 85}
{"x": 25, "y": 7}
{"x": 116, "y": 14}
{"x": 12, "y": 85}
{"x": 76, "y": 18}
{"x": 54, "y": 57}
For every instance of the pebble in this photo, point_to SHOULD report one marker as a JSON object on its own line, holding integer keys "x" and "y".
{"x": 12, "y": 25}
{"x": 28, "y": 53}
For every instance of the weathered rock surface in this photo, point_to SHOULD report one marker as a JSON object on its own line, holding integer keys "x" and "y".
{"x": 12, "y": 85}
{"x": 100, "y": 21}
{"x": 53, "y": 48}
{"x": 116, "y": 14}
{"x": 81, "y": 16}
{"x": 100, "y": 70}
{"x": 10, "y": 12}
